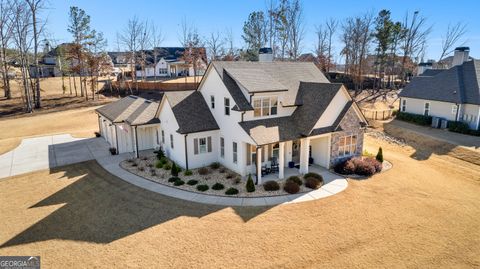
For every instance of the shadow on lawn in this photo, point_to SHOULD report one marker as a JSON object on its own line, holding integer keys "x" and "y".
{"x": 101, "y": 208}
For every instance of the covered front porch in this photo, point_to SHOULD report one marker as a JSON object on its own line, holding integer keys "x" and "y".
{"x": 284, "y": 159}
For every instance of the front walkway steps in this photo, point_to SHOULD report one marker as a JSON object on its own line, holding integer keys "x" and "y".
{"x": 51, "y": 151}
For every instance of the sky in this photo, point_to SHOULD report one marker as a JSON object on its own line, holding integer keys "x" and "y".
{"x": 110, "y": 17}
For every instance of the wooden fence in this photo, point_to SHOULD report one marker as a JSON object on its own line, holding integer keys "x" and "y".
{"x": 158, "y": 86}
{"x": 377, "y": 114}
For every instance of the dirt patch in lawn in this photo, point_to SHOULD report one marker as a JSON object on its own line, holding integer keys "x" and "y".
{"x": 81, "y": 122}
{"x": 418, "y": 214}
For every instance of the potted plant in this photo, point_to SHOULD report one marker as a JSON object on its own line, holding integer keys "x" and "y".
{"x": 113, "y": 150}
{"x": 291, "y": 165}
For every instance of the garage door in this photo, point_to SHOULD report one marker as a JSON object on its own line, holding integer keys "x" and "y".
{"x": 125, "y": 139}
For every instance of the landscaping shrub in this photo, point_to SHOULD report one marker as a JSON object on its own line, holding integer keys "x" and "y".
{"x": 134, "y": 164}
{"x": 231, "y": 191}
{"x": 222, "y": 170}
{"x": 141, "y": 168}
{"x": 187, "y": 173}
{"x": 375, "y": 163}
{"x": 203, "y": 171}
{"x": 313, "y": 183}
{"x": 346, "y": 167}
{"x": 230, "y": 175}
{"x": 150, "y": 165}
{"x": 271, "y": 186}
{"x": 163, "y": 160}
{"x": 158, "y": 164}
{"x": 291, "y": 187}
{"x": 113, "y": 151}
{"x": 160, "y": 154}
{"x": 153, "y": 173}
{"x": 215, "y": 165}
{"x": 237, "y": 180}
{"x": 250, "y": 185}
{"x": 178, "y": 182}
{"x": 295, "y": 179}
{"x": 192, "y": 182}
{"x": 366, "y": 153}
{"x": 415, "y": 118}
{"x": 218, "y": 186}
{"x": 167, "y": 166}
{"x": 461, "y": 127}
{"x": 314, "y": 175}
{"x": 173, "y": 179}
{"x": 174, "y": 170}
{"x": 379, "y": 156}
{"x": 97, "y": 134}
{"x": 202, "y": 187}
{"x": 363, "y": 168}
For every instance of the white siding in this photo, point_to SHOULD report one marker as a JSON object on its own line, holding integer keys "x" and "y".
{"x": 203, "y": 159}
{"x": 230, "y": 130}
{"x": 437, "y": 108}
{"x": 170, "y": 126}
{"x": 146, "y": 137}
{"x": 321, "y": 150}
{"x": 281, "y": 111}
{"x": 333, "y": 110}
{"x": 125, "y": 138}
{"x": 470, "y": 114}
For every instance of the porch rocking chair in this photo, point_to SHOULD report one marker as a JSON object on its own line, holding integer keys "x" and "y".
{"x": 274, "y": 165}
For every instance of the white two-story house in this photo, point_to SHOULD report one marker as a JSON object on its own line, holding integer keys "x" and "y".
{"x": 245, "y": 115}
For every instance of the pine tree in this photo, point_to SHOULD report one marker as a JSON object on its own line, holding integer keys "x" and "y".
{"x": 379, "y": 156}
{"x": 250, "y": 184}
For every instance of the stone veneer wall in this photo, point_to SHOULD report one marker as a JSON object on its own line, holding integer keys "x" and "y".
{"x": 350, "y": 125}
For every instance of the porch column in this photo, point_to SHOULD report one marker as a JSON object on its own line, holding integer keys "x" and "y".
{"x": 281, "y": 160}
{"x": 288, "y": 153}
{"x": 259, "y": 165}
{"x": 304, "y": 154}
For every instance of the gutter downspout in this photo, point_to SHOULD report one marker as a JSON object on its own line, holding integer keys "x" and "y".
{"x": 256, "y": 166}
{"x": 458, "y": 112}
{"x": 478, "y": 119}
{"x": 186, "y": 152}
{"x": 99, "y": 125}
{"x": 116, "y": 138}
{"x": 136, "y": 142}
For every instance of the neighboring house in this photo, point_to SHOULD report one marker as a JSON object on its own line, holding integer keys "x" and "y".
{"x": 49, "y": 64}
{"x": 452, "y": 94}
{"x": 244, "y": 115}
{"x": 160, "y": 62}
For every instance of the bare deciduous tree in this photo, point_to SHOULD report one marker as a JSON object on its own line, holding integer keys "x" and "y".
{"x": 215, "y": 44}
{"x": 130, "y": 38}
{"x": 453, "y": 35}
{"x": 331, "y": 25}
{"x": 156, "y": 39}
{"x": 6, "y": 29}
{"x": 321, "y": 47}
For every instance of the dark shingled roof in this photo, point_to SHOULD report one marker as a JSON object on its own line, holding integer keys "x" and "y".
{"x": 459, "y": 84}
{"x": 131, "y": 109}
{"x": 241, "y": 103}
{"x": 313, "y": 99}
{"x": 431, "y": 72}
{"x": 192, "y": 114}
{"x": 257, "y": 75}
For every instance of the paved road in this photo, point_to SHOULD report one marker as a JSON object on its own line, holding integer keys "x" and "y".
{"x": 45, "y": 152}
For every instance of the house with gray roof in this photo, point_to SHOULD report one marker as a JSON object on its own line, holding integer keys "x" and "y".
{"x": 251, "y": 117}
{"x": 452, "y": 94}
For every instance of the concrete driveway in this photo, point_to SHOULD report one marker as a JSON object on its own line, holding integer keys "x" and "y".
{"x": 45, "y": 152}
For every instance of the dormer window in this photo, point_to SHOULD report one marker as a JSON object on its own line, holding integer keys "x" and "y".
{"x": 264, "y": 106}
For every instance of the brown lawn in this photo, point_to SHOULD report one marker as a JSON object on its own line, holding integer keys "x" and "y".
{"x": 419, "y": 214}
{"x": 53, "y": 98}
{"x": 81, "y": 122}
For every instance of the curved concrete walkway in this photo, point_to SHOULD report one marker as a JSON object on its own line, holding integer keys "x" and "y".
{"x": 50, "y": 151}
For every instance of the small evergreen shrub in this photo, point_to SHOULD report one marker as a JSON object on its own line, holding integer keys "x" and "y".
{"x": 160, "y": 154}
{"x": 291, "y": 187}
{"x": 231, "y": 191}
{"x": 215, "y": 165}
{"x": 159, "y": 164}
{"x": 203, "y": 171}
{"x": 250, "y": 185}
{"x": 141, "y": 168}
{"x": 379, "y": 156}
{"x": 174, "y": 170}
{"x": 271, "y": 185}
{"x": 178, "y": 182}
{"x": 187, "y": 173}
{"x": 153, "y": 172}
{"x": 192, "y": 182}
{"x": 173, "y": 179}
{"x": 218, "y": 186}
{"x": 163, "y": 160}
{"x": 113, "y": 151}
{"x": 202, "y": 187}
{"x": 295, "y": 179}
{"x": 167, "y": 166}
{"x": 313, "y": 183}
{"x": 134, "y": 164}
{"x": 414, "y": 118}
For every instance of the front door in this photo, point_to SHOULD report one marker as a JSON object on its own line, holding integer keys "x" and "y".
{"x": 296, "y": 151}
